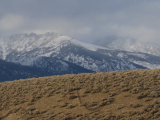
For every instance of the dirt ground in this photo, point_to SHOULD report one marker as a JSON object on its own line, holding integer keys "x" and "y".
{"x": 124, "y": 95}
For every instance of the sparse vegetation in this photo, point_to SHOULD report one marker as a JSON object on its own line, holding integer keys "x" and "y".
{"x": 133, "y": 95}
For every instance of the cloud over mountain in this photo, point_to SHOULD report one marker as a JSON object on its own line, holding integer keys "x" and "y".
{"x": 83, "y": 19}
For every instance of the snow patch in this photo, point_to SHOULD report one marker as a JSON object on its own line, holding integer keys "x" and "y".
{"x": 138, "y": 55}
{"x": 146, "y": 64}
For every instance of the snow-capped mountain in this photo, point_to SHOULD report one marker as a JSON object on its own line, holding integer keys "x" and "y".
{"x": 60, "y": 54}
{"x": 130, "y": 45}
{"x": 26, "y": 49}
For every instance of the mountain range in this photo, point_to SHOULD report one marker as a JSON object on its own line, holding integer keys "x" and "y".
{"x": 55, "y": 54}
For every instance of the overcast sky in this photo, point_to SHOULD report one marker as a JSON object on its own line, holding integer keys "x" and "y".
{"x": 85, "y": 20}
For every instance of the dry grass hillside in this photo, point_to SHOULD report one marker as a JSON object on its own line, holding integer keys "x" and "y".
{"x": 124, "y": 95}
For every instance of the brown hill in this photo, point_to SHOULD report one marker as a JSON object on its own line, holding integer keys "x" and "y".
{"x": 126, "y": 95}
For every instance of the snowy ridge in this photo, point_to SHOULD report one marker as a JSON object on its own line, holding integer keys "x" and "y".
{"x": 28, "y": 42}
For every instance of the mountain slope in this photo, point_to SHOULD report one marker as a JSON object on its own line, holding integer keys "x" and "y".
{"x": 94, "y": 60}
{"x": 10, "y": 71}
{"x": 124, "y": 95}
{"x": 142, "y": 59}
{"x": 58, "y": 67}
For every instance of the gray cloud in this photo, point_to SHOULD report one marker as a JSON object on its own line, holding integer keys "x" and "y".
{"x": 85, "y": 20}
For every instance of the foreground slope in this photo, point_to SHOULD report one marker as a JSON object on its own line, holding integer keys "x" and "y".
{"x": 131, "y": 95}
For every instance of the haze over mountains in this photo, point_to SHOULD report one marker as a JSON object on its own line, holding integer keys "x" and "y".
{"x": 59, "y": 54}
{"x": 128, "y": 44}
